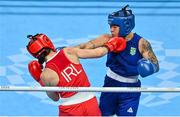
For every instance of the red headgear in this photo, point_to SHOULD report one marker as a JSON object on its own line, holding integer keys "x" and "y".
{"x": 38, "y": 44}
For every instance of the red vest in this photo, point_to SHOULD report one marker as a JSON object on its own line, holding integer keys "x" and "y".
{"x": 70, "y": 74}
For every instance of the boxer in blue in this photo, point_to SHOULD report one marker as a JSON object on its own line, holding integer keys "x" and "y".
{"x": 124, "y": 67}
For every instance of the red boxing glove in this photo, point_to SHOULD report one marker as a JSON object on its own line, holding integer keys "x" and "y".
{"x": 35, "y": 69}
{"x": 116, "y": 44}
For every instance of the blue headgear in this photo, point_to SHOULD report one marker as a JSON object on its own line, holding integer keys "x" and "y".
{"x": 124, "y": 19}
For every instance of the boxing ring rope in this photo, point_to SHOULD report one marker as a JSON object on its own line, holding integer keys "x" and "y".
{"x": 89, "y": 89}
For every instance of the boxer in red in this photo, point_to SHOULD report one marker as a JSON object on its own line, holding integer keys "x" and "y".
{"x": 63, "y": 69}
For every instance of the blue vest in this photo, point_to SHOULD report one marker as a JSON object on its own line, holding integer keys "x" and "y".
{"x": 125, "y": 62}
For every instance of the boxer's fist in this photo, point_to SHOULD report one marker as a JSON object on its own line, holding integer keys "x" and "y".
{"x": 146, "y": 67}
{"x": 116, "y": 44}
{"x": 35, "y": 69}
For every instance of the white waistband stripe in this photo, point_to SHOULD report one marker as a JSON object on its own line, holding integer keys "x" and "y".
{"x": 113, "y": 75}
{"x": 77, "y": 98}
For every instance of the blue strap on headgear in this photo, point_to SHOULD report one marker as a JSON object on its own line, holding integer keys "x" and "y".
{"x": 124, "y": 19}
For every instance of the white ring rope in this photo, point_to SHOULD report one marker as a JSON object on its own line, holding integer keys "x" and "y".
{"x": 89, "y": 89}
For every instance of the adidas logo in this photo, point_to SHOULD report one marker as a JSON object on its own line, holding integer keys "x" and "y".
{"x": 130, "y": 110}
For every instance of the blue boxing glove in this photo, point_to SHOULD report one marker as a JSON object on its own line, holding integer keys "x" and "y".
{"x": 146, "y": 67}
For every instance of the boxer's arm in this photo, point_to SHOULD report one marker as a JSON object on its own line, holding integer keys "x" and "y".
{"x": 94, "y": 43}
{"x": 147, "y": 51}
{"x": 75, "y": 53}
{"x": 50, "y": 78}
{"x": 92, "y": 53}
{"x": 149, "y": 64}
{"x": 116, "y": 44}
